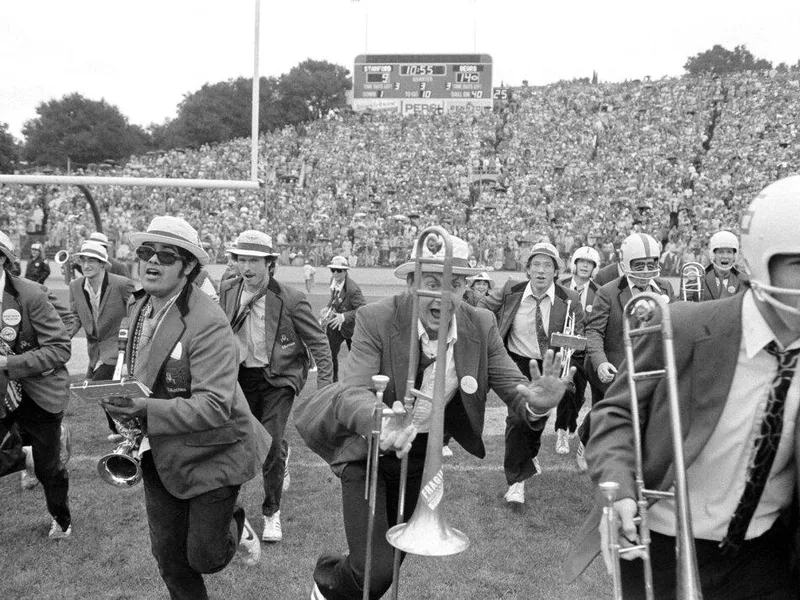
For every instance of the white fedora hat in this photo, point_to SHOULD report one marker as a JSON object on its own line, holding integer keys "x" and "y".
{"x": 174, "y": 231}
{"x": 339, "y": 262}
{"x": 434, "y": 248}
{"x": 100, "y": 237}
{"x": 92, "y": 249}
{"x": 545, "y": 249}
{"x": 252, "y": 243}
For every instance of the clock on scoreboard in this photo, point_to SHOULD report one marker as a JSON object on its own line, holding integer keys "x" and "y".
{"x": 456, "y": 79}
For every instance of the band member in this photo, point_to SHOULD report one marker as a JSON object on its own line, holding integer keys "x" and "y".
{"x": 584, "y": 265}
{"x": 34, "y": 385}
{"x": 527, "y": 314}
{"x": 275, "y": 330}
{"x": 37, "y": 270}
{"x": 201, "y": 443}
{"x": 117, "y": 267}
{"x": 98, "y": 302}
{"x": 605, "y": 348}
{"x": 334, "y": 420}
{"x": 738, "y": 393}
{"x": 722, "y": 277}
{"x": 477, "y": 287}
{"x": 339, "y": 316}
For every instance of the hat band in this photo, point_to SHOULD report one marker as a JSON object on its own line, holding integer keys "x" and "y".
{"x": 93, "y": 254}
{"x": 252, "y": 248}
{"x": 456, "y": 262}
{"x": 174, "y": 236}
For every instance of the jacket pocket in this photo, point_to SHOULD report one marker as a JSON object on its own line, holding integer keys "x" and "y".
{"x": 219, "y": 436}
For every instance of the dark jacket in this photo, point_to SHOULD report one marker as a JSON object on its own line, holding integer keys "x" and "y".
{"x": 292, "y": 332}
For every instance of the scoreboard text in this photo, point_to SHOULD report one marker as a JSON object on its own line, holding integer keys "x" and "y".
{"x": 461, "y": 78}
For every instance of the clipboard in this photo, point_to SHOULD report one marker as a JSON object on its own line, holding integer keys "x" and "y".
{"x": 93, "y": 391}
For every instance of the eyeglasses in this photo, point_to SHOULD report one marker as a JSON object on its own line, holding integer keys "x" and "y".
{"x": 337, "y": 270}
{"x": 164, "y": 257}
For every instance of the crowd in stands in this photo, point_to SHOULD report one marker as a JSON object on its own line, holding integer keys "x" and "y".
{"x": 576, "y": 163}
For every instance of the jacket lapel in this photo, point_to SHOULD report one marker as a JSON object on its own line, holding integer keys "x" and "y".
{"x": 510, "y": 307}
{"x": 231, "y": 303}
{"x": 398, "y": 358}
{"x": 273, "y": 306}
{"x": 169, "y": 332}
{"x": 105, "y": 292}
{"x": 10, "y": 303}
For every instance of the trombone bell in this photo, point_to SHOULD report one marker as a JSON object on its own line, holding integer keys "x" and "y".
{"x": 427, "y": 534}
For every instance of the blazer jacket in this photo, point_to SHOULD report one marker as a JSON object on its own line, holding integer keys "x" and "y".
{"x": 590, "y": 293}
{"x": 706, "y": 343}
{"x": 346, "y": 303}
{"x": 505, "y": 303}
{"x": 604, "y": 338}
{"x": 36, "y": 334}
{"x": 101, "y": 338}
{"x": 737, "y": 284}
{"x": 292, "y": 331}
{"x": 606, "y": 274}
{"x": 335, "y": 420}
{"x": 201, "y": 431}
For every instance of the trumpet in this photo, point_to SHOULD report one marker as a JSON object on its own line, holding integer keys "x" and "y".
{"x": 692, "y": 281}
{"x": 120, "y": 468}
{"x": 641, "y": 317}
{"x": 568, "y": 341}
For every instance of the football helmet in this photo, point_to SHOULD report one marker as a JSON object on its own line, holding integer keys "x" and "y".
{"x": 722, "y": 239}
{"x": 640, "y": 245}
{"x": 768, "y": 228}
{"x": 585, "y": 253}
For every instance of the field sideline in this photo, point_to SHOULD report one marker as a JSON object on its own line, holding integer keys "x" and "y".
{"x": 513, "y": 553}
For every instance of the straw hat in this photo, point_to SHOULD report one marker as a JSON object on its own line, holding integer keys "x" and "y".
{"x": 253, "y": 243}
{"x": 174, "y": 231}
{"x": 96, "y": 250}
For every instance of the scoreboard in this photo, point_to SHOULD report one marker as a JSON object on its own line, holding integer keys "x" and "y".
{"x": 431, "y": 80}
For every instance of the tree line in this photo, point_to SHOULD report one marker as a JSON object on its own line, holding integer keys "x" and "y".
{"x": 79, "y": 131}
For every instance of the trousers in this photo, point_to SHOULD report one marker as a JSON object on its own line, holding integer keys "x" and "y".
{"x": 342, "y": 577}
{"x": 270, "y": 405}
{"x": 189, "y": 537}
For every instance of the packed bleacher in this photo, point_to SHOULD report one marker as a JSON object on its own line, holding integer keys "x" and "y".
{"x": 576, "y": 163}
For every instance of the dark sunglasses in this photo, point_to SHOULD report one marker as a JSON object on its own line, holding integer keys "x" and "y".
{"x": 164, "y": 256}
{"x": 337, "y": 270}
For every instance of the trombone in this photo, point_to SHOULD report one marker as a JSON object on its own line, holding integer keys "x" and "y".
{"x": 647, "y": 314}
{"x": 692, "y": 274}
{"x": 426, "y": 533}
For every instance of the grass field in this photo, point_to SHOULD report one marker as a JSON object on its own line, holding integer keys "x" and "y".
{"x": 513, "y": 553}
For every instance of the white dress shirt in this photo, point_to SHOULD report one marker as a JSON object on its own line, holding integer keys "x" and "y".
{"x": 716, "y": 479}
{"x": 522, "y": 338}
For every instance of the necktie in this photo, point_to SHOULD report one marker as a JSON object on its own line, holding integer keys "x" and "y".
{"x": 764, "y": 449}
{"x": 541, "y": 334}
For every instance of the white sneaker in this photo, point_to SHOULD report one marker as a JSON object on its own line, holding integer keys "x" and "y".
{"x": 249, "y": 547}
{"x": 562, "y": 441}
{"x": 28, "y": 479}
{"x": 316, "y": 594}
{"x": 272, "y": 528}
{"x": 580, "y": 458}
{"x": 57, "y": 533}
{"x": 287, "y": 478}
{"x": 516, "y": 493}
{"x": 446, "y": 452}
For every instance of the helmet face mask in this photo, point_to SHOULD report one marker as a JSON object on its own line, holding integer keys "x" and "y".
{"x": 768, "y": 230}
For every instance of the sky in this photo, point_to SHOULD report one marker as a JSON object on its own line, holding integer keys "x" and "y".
{"x": 143, "y": 56}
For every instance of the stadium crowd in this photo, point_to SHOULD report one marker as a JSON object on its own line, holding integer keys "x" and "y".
{"x": 573, "y": 162}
